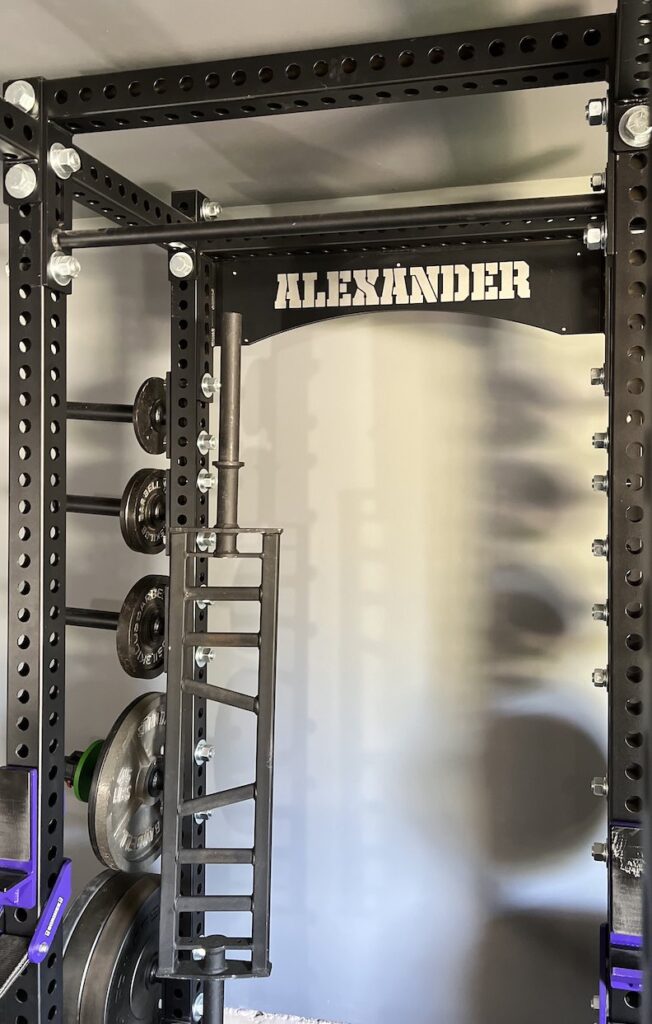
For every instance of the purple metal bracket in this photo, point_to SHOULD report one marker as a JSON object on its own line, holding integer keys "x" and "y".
{"x": 632, "y": 941}
{"x": 626, "y": 980}
{"x": 603, "y": 990}
{"x": 23, "y": 894}
{"x": 52, "y": 915}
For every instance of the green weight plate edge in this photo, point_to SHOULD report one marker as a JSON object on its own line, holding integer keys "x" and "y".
{"x": 83, "y": 777}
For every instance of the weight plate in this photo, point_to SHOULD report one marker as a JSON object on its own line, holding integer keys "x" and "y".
{"x": 124, "y": 810}
{"x": 83, "y": 776}
{"x": 140, "y": 637}
{"x": 110, "y": 952}
{"x": 142, "y": 513}
{"x": 149, "y": 415}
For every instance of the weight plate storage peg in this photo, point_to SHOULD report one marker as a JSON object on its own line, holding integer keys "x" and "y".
{"x": 142, "y": 513}
{"x": 149, "y": 415}
{"x": 125, "y": 812}
{"x": 140, "y": 637}
{"x": 110, "y": 943}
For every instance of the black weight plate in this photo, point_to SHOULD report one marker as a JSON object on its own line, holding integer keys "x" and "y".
{"x": 111, "y": 953}
{"x": 125, "y": 814}
{"x": 142, "y": 514}
{"x": 149, "y": 415}
{"x": 140, "y": 637}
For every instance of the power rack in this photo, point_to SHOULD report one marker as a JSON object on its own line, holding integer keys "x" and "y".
{"x": 234, "y": 283}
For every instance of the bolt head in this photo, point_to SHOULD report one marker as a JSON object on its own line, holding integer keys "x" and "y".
{"x": 600, "y": 852}
{"x": 599, "y": 548}
{"x": 200, "y": 818}
{"x": 209, "y": 385}
{"x": 210, "y": 209}
{"x": 600, "y": 440}
{"x": 206, "y": 481}
{"x": 198, "y": 1007}
{"x": 599, "y": 786}
{"x": 207, "y": 541}
{"x": 596, "y": 112}
{"x": 63, "y": 268}
{"x": 599, "y": 482}
{"x": 64, "y": 160}
{"x": 181, "y": 264}
{"x": 20, "y": 181}
{"x": 21, "y": 94}
{"x": 595, "y": 237}
{"x": 595, "y": 1002}
{"x": 199, "y": 953}
{"x": 600, "y": 677}
{"x": 599, "y": 612}
{"x": 203, "y": 655}
{"x": 634, "y": 126}
{"x": 206, "y": 442}
{"x": 597, "y": 375}
{"x": 598, "y": 182}
{"x": 204, "y": 752}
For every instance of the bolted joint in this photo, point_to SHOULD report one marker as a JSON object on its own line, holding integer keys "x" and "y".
{"x": 181, "y": 264}
{"x": 595, "y": 237}
{"x": 203, "y": 655}
{"x": 210, "y": 386}
{"x": 597, "y": 375}
{"x": 204, "y": 752}
{"x": 596, "y": 112}
{"x": 210, "y": 210}
{"x": 64, "y": 160}
{"x": 20, "y": 181}
{"x": 63, "y": 268}
{"x": 206, "y": 442}
{"x": 206, "y": 481}
{"x": 600, "y": 677}
{"x": 600, "y": 852}
{"x": 22, "y": 94}
{"x": 634, "y": 126}
{"x": 600, "y": 548}
{"x": 206, "y": 540}
{"x": 599, "y": 482}
{"x": 600, "y": 613}
{"x": 598, "y": 182}
{"x": 198, "y": 1006}
{"x": 599, "y": 786}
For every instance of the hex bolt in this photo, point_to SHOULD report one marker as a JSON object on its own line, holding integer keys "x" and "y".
{"x": 600, "y": 852}
{"x": 596, "y": 112}
{"x": 63, "y": 268}
{"x": 600, "y": 439}
{"x": 599, "y": 786}
{"x": 20, "y": 181}
{"x": 210, "y": 210}
{"x": 598, "y": 182}
{"x": 597, "y": 375}
{"x": 634, "y": 126}
{"x": 600, "y": 613}
{"x": 207, "y": 541}
{"x": 595, "y": 1002}
{"x": 206, "y": 481}
{"x": 201, "y": 817}
{"x": 595, "y": 237}
{"x": 181, "y": 264}
{"x": 204, "y": 752}
{"x": 64, "y": 160}
{"x": 199, "y": 953}
{"x": 21, "y": 94}
{"x": 209, "y": 386}
{"x": 206, "y": 442}
{"x": 198, "y": 1005}
{"x": 203, "y": 655}
{"x": 600, "y": 677}
{"x": 600, "y": 548}
{"x": 599, "y": 482}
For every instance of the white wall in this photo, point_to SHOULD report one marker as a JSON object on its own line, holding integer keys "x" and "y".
{"x": 436, "y": 727}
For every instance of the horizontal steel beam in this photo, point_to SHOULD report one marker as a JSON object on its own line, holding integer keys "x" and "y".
{"x": 548, "y": 53}
{"x": 18, "y": 132}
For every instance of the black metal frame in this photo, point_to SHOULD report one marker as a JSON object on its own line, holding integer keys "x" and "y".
{"x": 613, "y": 48}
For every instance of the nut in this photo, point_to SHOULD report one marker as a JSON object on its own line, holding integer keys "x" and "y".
{"x": 21, "y": 94}
{"x": 599, "y": 548}
{"x": 181, "y": 264}
{"x": 64, "y": 160}
{"x": 595, "y": 237}
{"x": 20, "y": 181}
{"x": 600, "y": 483}
{"x": 600, "y": 852}
{"x": 599, "y": 786}
{"x": 198, "y": 953}
{"x": 597, "y": 375}
{"x": 600, "y": 440}
{"x": 596, "y": 112}
{"x": 600, "y": 612}
{"x": 598, "y": 182}
{"x": 600, "y": 677}
{"x": 200, "y": 818}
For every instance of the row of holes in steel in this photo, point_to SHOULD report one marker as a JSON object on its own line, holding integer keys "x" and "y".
{"x": 11, "y": 126}
{"x": 321, "y": 68}
{"x": 26, "y": 301}
{"x": 126, "y": 191}
{"x": 634, "y": 450}
{"x": 593, "y": 73}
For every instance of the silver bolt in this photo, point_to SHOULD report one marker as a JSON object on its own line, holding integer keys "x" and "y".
{"x": 600, "y": 677}
{"x": 634, "y": 126}
{"x": 203, "y": 655}
{"x": 600, "y": 548}
{"x": 181, "y": 264}
{"x": 596, "y": 112}
{"x": 598, "y": 182}
{"x": 64, "y": 160}
{"x": 210, "y": 209}
{"x": 600, "y": 852}
{"x": 599, "y": 786}
{"x": 206, "y": 481}
{"x": 595, "y": 237}
{"x": 206, "y": 442}
{"x": 209, "y": 385}
{"x": 595, "y": 1002}
{"x": 20, "y": 181}
{"x": 21, "y": 94}
{"x": 204, "y": 752}
{"x": 63, "y": 268}
{"x": 198, "y": 953}
{"x": 201, "y": 817}
{"x": 600, "y": 483}
{"x": 597, "y": 375}
{"x": 600, "y": 440}
{"x": 207, "y": 541}
{"x": 203, "y": 605}
{"x": 198, "y": 1007}
{"x": 600, "y": 612}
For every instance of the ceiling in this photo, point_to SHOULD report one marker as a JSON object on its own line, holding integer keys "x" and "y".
{"x": 391, "y": 149}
